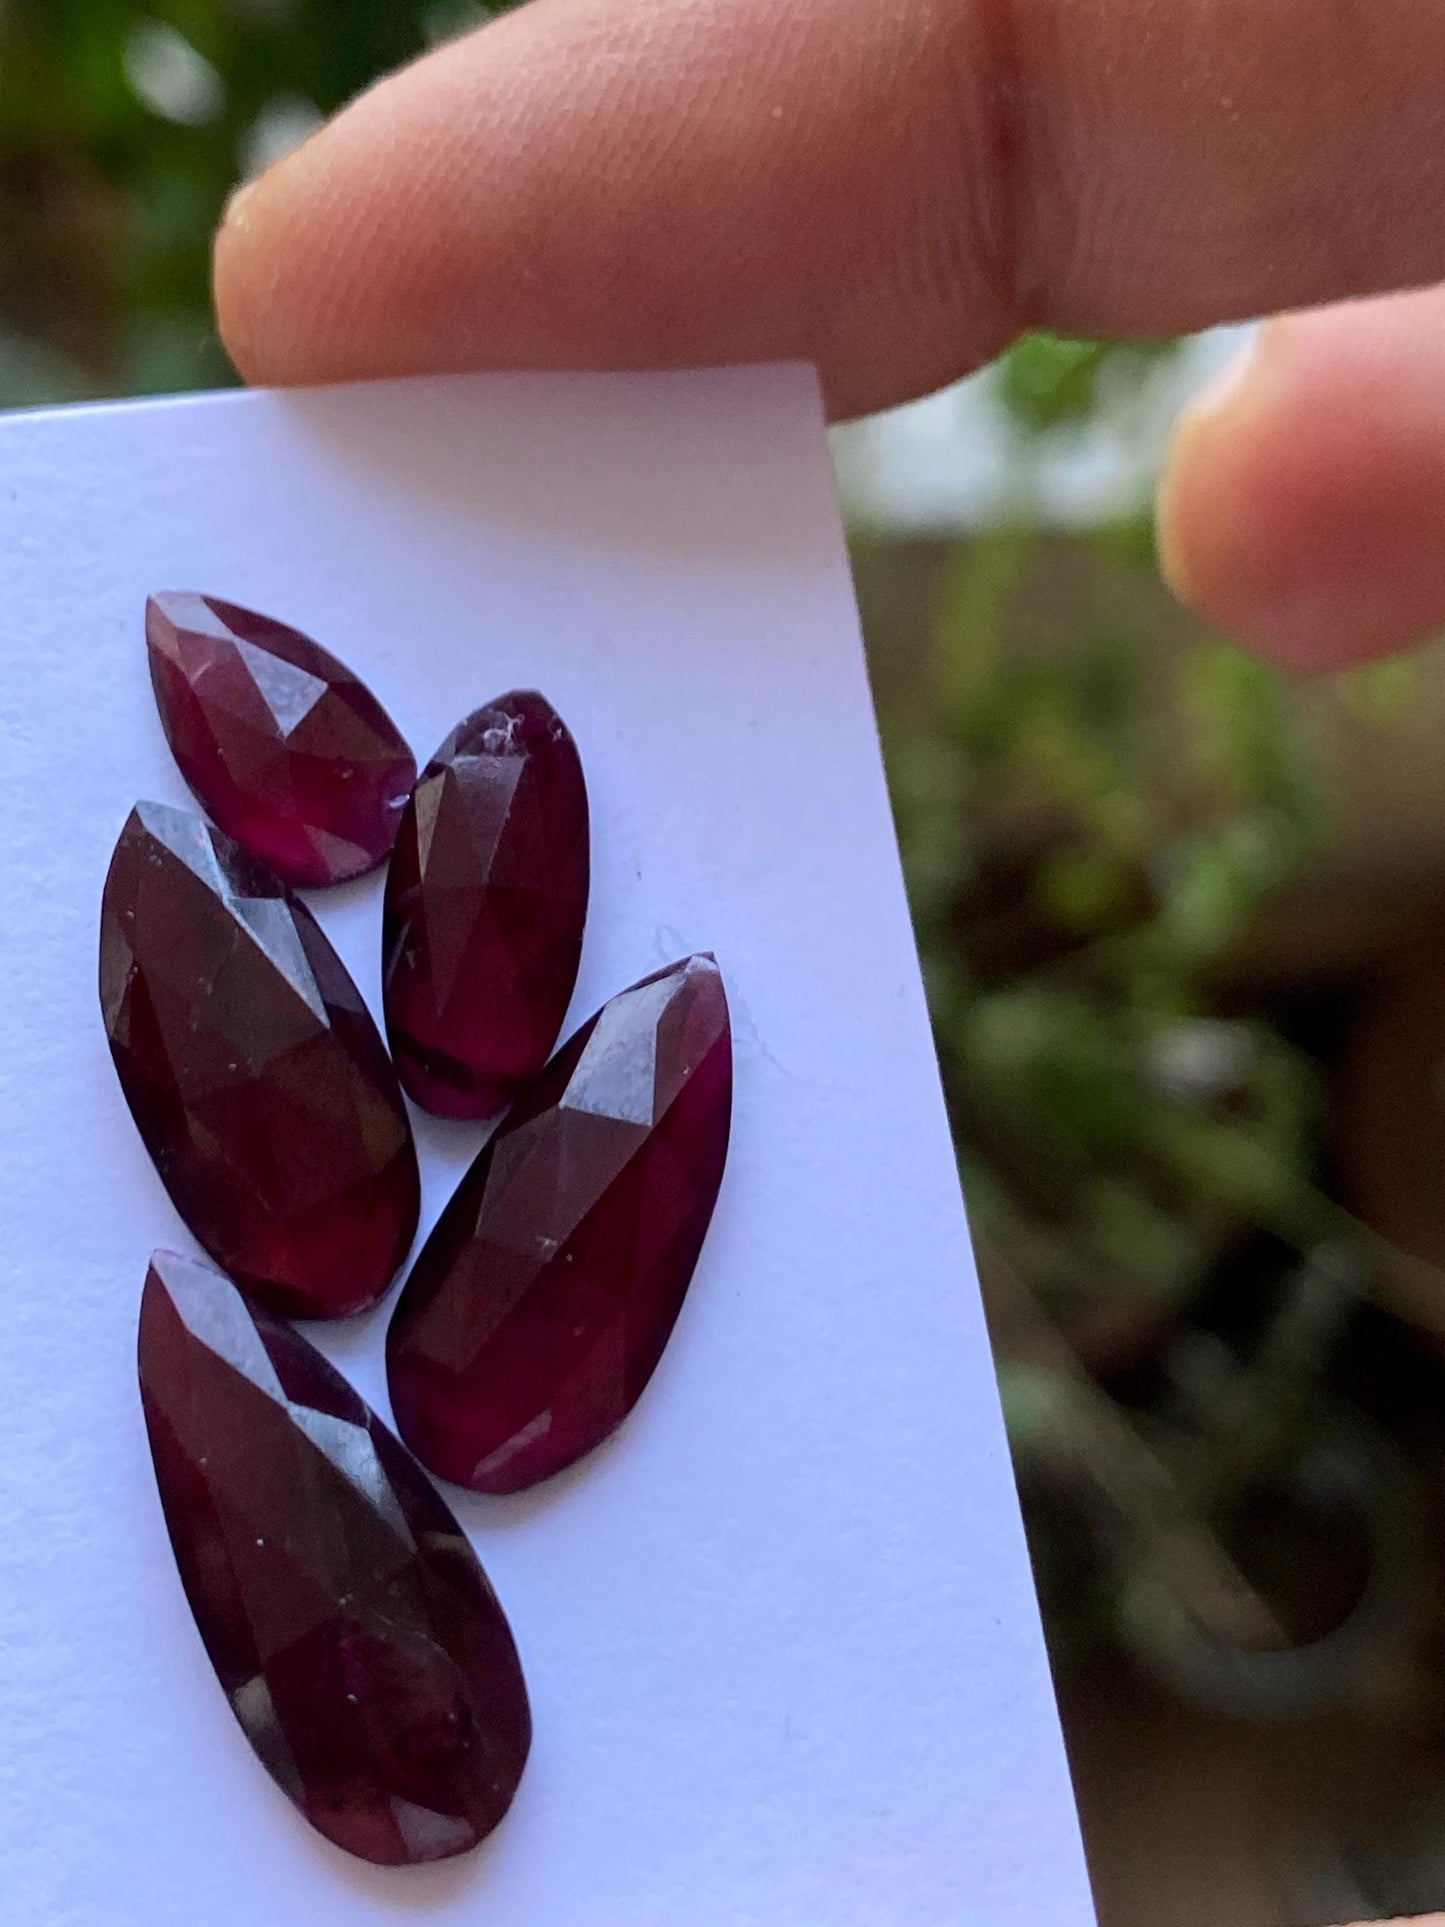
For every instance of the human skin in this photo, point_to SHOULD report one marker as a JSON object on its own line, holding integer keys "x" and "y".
{"x": 896, "y": 188}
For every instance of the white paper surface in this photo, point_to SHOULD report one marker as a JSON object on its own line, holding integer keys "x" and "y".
{"x": 781, "y": 1642}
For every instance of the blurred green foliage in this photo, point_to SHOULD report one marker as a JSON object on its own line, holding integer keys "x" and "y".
{"x": 1137, "y": 809}
{"x": 123, "y": 128}
{"x": 1090, "y": 832}
{"x": 1049, "y": 382}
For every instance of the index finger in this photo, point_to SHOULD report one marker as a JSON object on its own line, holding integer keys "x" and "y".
{"x": 892, "y": 191}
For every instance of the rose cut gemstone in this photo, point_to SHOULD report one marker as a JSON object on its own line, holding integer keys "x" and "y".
{"x": 540, "y": 1305}
{"x": 350, "y": 1625}
{"x": 289, "y": 752}
{"x": 253, "y": 1070}
{"x": 486, "y": 898}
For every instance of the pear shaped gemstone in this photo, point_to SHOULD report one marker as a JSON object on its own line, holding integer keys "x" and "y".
{"x": 253, "y": 1070}
{"x": 284, "y": 747}
{"x": 486, "y": 898}
{"x": 540, "y": 1305}
{"x": 350, "y": 1625}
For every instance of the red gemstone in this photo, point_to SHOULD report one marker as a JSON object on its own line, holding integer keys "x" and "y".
{"x": 541, "y": 1303}
{"x": 349, "y": 1623}
{"x": 253, "y": 1069}
{"x": 284, "y": 747}
{"x": 485, "y": 902}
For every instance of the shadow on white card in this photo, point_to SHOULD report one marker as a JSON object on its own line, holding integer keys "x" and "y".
{"x": 617, "y": 500}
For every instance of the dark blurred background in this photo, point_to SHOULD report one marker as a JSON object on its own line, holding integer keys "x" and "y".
{"x": 1183, "y": 929}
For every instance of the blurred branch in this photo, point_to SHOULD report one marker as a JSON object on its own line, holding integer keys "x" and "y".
{"x": 1138, "y": 1504}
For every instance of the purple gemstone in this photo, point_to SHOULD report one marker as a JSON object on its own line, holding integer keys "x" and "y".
{"x": 253, "y": 1070}
{"x": 541, "y": 1303}
{"x": 348, "y": 1620}
{"x": 485, "y": 902}
{"x": 284, "y": 747}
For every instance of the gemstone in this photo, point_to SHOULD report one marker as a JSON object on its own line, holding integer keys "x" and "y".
{"x": 541, "y": 1303}
{"x": 283, "y": 746}
{"x": 349, "y": 1622}
{"x": 485, "y": 902}
{"x": 253, "y": 1069}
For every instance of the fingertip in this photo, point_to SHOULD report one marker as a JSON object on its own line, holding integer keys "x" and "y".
{"x": 1223, "y": 547}
{"x": 616, "y": 184}
{"x": 247, "y": 272}
{"x": 302, "y": 248}
{"x": 230, "y": 280}
{"x": 1302, "y": 507}
{"x": 1186, "y": 495}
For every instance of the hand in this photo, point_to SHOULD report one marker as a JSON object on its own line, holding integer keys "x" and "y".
{"x": 895, "y": 188}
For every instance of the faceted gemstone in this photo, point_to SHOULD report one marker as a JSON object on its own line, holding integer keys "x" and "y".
{"x": 541, "y": 1303}
{"x": 284, "y": 747}
{"x": 349, "y": 1623}
{"x": 485, "y": 902}
{"x": 255, "y": 1073}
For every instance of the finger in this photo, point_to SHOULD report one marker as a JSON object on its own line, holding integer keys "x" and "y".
{"x": 1303, "y": 508}
{"x": 891, "y": 190}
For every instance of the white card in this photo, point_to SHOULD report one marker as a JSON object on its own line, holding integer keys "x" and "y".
{"x": 782, "y": 1645}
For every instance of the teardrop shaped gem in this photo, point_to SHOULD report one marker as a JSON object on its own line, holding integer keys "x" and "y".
{"x": 253, "y": 1070}
{"x": 349, "y": 1622}
{"x": 541, "y": 1303}
{"x": 284, "y": 747}
{"x": 486, "y": 898}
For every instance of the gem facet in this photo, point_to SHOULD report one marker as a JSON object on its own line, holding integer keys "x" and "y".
{"x": 486, "y": 898}
{"x": 284, "y": 747}
{"x": 253, "y": 1070}
{"x": 541, "y": 1303}
{"x": 350, "y": 1625}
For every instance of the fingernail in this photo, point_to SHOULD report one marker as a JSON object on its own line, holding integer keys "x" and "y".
{"x": 283, "y": 141}
{"x": 1204, "y": 416}
{"x": 237, "y": 200}
{"x": 1223, "y": 388}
